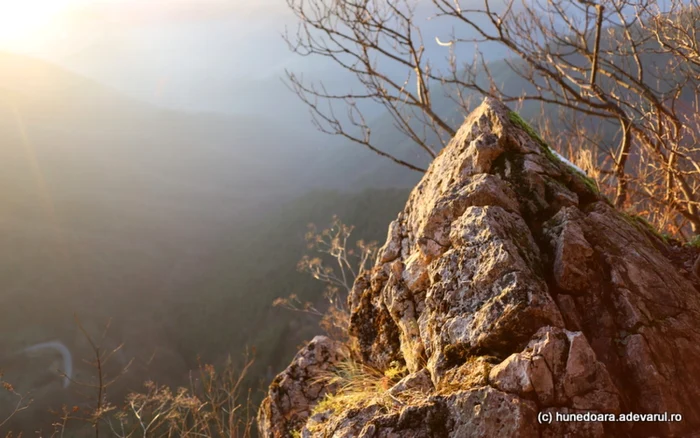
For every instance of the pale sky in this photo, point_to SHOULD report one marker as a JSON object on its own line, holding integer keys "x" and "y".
{"x": 29, "y": 26}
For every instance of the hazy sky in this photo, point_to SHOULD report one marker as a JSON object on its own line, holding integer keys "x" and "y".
{"x": 203, "y": 55}
{"x": 40, "y": 26}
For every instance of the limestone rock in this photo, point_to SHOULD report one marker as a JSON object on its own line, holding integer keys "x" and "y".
{"x": 508, "y": 286}
{"x": 294, "y": 392}
{"x": 558, "y": 367}
{"x": 418, "y": 381}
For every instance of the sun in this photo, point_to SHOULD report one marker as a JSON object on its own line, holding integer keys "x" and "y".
{"x": 24, "y": 20}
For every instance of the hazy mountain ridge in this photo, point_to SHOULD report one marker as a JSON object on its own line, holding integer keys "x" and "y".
{"x": 110, "y": 207}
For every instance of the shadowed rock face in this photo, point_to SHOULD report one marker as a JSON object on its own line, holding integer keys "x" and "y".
{"x": 508, "y": 286}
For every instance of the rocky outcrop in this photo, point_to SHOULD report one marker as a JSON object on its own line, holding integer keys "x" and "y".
{"x": 512, "y": 292}
{"x": 295, "y": 391}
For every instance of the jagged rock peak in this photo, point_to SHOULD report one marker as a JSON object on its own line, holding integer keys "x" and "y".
{"x": 507, "y": 287}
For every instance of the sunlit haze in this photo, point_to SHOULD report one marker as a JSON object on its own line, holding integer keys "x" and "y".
{"x": 24, "y": 21}
{"x": 42, "y": 27}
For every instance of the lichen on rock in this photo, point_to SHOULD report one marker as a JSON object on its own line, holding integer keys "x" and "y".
{"x": 508, "y": 286}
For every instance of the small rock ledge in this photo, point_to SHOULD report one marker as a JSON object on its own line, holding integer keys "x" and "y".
{"x": 508, "y": 287}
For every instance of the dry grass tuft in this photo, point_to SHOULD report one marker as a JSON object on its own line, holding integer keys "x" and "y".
{"x": 359, "y": 386}
{"x": 212, "y": 406}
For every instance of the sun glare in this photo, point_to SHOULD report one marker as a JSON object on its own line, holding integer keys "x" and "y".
{"x": 24, "y": 20}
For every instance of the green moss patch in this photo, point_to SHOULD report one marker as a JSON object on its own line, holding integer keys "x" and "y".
{"x": 644, "y": 225}
{"x": 517, "y": 120}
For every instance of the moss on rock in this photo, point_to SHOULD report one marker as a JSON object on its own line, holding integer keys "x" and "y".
{"x": 548, "y": 152}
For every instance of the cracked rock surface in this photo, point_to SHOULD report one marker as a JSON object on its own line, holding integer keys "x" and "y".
{"x": 295, "y": 391}
{"x": 508, "y": 286}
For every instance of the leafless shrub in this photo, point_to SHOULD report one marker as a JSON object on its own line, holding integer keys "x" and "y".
{"x": 336, "y": 265}
{"x": 21, "y": 403}
{"x": 214, "y": 405}
{"x": 630, "y": 66}
{"x": 100, "y": 407}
